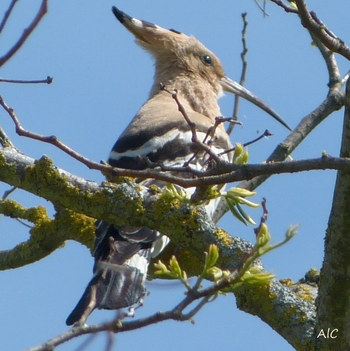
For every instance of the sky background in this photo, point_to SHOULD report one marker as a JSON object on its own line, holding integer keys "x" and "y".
{"x": 101, "y": 78}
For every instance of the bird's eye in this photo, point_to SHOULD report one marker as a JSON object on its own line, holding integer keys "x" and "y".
{"x": 207, "y": 59}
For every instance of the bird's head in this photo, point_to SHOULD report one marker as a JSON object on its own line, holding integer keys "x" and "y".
{"x": 185, "y": 64}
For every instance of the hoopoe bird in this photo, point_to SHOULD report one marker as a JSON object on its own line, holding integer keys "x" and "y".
{"x": 158, "y": 134}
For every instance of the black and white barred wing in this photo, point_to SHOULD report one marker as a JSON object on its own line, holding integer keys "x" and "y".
{"x": 161, "y": 135}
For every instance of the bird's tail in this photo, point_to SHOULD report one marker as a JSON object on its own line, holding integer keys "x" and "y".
{"x": 112, "y": 287}
{"x": 122, "y": 256}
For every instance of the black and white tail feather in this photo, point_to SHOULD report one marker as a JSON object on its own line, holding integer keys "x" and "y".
{"x": 122, "y": 255}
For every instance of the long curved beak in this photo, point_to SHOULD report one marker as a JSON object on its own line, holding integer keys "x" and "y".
{"x": 232, "y": 87}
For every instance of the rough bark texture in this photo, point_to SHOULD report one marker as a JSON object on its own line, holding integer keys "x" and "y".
{"x": 334, "y": 299}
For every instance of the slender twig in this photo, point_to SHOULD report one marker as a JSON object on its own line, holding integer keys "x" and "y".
{"x": 185, "y": 168}
{"x": 192, "y": 126}
{"x": 103, "y": 167}
{"x": 263, "y": 218}
{"x": 48, "y": 139}
{"x": 266, "y": 133}
{"x": 262, "y": 8}
{"x": 7, "y": 193}
{"x": 211, "y": 133}
{"x": 321, "y": 24}
{"x": 334, "y": 101}
{"x": 243, "y": 73}
{"x": 228, "y": 172}
{"x": 48, "y": 80}
{"x": 110, "y": 341}
{"x": 285, "y": 7}
{"x": 7, "y": 15}
{"x": 26, "y": 33}
{"x": 177, "y": 314}
{"x": 86, "y": 342}
{"x": 312, "y": 23}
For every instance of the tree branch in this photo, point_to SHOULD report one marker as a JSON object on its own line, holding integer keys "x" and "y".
{"x": 316, "y": 27}
{"x": 311, "y": 22}
{"x": 243, "y": 73}
{"x": 333, "y": 303}
{"x": 46, "y": 235}
{"x": 7, "y": 15}
{"x": 48, "y": 80}
{"x": 26, "y": 33}
{"x": 125, "y": 203}
{"x": 204, "y": 295}
{"x": 128, "y": 203}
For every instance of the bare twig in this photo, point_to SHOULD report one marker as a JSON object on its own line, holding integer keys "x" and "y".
{"x": 233, "y": 173}
{"x": 228, "y": 172}
{"x": 7, "y": 15}
{"x": 86, "y": 342}
{"x": 334, "y": 101}
{"x": 211, "y": 133}
{"x": 263, "y": 135}
{"x": 243, "y": 74}
{"x": 48, "y": 80}
{"x": 262, "y": 8}
{"x": 311, "y": 22}
{"x": 7, "y": 193}
{"x": 263, "y": 218}
{"x": 48, "y": 139}
{"x": 192, "y": 125}
{"x": 177, "y": 313}
{"x": 110, "y": 341}
{"x": 26, "y": 33}
{"x": 315, "y": 26}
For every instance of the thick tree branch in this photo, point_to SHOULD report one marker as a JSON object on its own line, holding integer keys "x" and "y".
{"x": 125, "y": 203}
{"x": 128, "y": 203}
{"x": 46, "y": 235}
{"x": 333, "y": 303}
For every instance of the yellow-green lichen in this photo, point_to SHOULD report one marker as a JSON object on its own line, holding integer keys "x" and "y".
{"x": 287, "y": 282}
{"x": 43, "y": 176}
{"x": 8, "y": 171}
{"x": 81, "y": 227}
{"x": 256, "y": 299}
{"x": 223, "y": 237}
{"x": 119, "y": 179}
{"x": 304, "y": 291}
